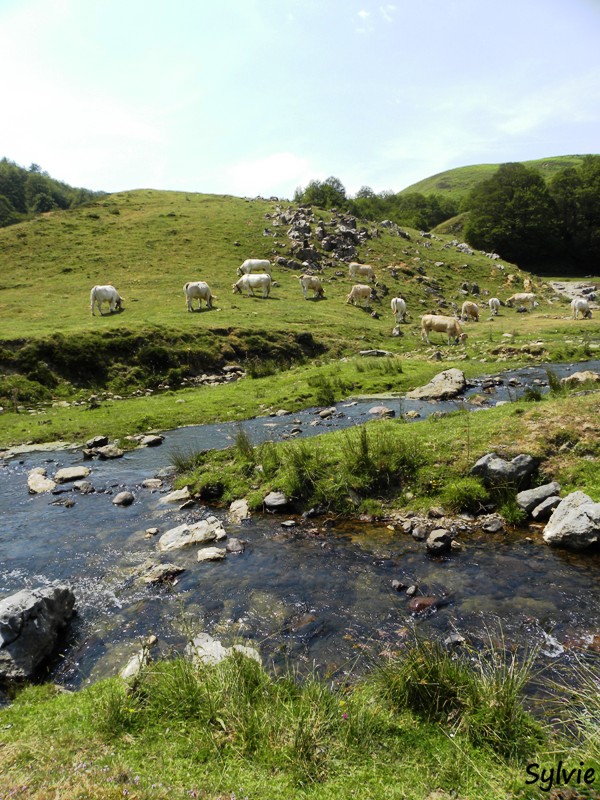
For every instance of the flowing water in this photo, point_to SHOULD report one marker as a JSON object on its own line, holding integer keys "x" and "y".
{"x": 317, "y": 594}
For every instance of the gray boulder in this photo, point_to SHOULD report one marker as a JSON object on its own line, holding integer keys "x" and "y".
{"x": 439, "y": 541}
{"x": 544, "y": 511}
{"x": 38, "y": 483}
{"x": 30, "y": 622}
{"x": 275, "y": 501}
{"x": 67, "y": 474}
{"x": 575, "y": 523}
{"x": 444, "y": 385}
{"x": 123, "y": 499}
{"x": 497, "y": 472}
{"x": 530, "y": 498}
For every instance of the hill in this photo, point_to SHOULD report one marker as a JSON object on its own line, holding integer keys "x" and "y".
{"x": 457, "y": 183}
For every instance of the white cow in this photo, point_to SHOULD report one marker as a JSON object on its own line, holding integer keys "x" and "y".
{"x": 311, "y": 283}
{"x": 469, "y": 309}
{"x": 441, "y": 324}
{"x": 108, "y": 294}
{"x": 254, "y": 265}
{"x": 524, "y": 298}
{"x": 199, "y": 290}
{"x": 364, "y": 271}
{"x": 361, "y": 293}
{"x": 581, "y": 304}
{"x": 248, "y": 283}
{"x": 494, "y": 305}
{"x": 398, "y": 305}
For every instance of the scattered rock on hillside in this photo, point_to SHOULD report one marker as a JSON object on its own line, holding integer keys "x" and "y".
{"x": 496, "y": 471}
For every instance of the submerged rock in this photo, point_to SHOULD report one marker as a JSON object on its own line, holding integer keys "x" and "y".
{"x": 30, "y": 622}
{"x": 205, "y": 649}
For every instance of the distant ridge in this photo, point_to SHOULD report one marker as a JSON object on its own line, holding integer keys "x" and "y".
{"x": 458, "y": 182}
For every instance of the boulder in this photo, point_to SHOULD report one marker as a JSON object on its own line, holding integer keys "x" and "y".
{"x": 530, "y": 498}
{"x": 30, "y": 622}
{"x": 207, "y": 530}
{"x": 238, "y": 510}
{"x": 97, "y": 441}
{"x": 211, "y": 554}
{"x": 178, "y": 496}
{"x": 235, "y": 545}
{"x": 67, "y": 474}
{"x": 151, "y": 440}
{"x": 203, "y": 648}
{"x": 84, "y": 487}
{"x": 110, "y": 451}
{"x": 577, "y": 378}
{"x": 38, "y": 483}
{"x": 275, "y": 501}
{"x": 444, "y": 385}
{"x": 153, "y": 572}
{"x": 439, "y": 541}
{"x": 152, "y": 483}
{"x": 382, "y": 411}
{"x": 123, "y": 499}
{"x": 544, "y": 511}
{"x": 497, "y": 472}
{"x": 575, "y": 523}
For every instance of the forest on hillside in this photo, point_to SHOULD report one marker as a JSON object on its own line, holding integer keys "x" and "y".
{"x": 27, "y": 192}
{"x": 539, "y": 225}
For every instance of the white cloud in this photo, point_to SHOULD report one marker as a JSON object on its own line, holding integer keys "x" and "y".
{"x": 387, "y": 12}
{"x": 363, "y": 14}
{"x": 277, "y": 174}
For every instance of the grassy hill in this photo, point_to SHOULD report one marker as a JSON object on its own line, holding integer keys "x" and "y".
{"x": 458, "y": 182}
{"x": 149, "y": 243}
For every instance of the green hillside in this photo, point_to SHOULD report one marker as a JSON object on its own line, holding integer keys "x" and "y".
{"x": 458, "y": 182}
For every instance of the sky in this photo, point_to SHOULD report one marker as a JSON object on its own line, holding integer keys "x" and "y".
{"x": 259, "y": 97}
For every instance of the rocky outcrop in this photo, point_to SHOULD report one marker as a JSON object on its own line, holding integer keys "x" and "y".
{"x": 30, "y": 622}
{"x": 575, "y": 523}
{"x": 446, "y": 384}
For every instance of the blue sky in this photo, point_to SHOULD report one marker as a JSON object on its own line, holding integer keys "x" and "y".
{"x": 257, "y": 97}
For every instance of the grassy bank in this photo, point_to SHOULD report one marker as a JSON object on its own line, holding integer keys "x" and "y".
{"x": 430, "y": 724}
{"x": 389, "y": 464}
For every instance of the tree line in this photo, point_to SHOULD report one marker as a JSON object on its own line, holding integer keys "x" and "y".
{"x": 26, "y": 192}
{"x": 540, "y": 226}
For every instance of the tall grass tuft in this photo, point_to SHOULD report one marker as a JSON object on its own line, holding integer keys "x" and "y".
{"x": 476, "y": 693}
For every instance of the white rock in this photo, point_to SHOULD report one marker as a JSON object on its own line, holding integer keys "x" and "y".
{"x": 38, "y": 483}
{"x": 178, "y": 496}
{"x": 575, "y": 523}
{"x": 71, "y": 474}
{"x": 207, "y": 530}
{"x": 211, "y": 554}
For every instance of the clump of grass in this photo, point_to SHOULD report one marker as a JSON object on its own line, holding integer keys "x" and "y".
{"x": 464, "y": 494}
{"x": 532, "y": 395}
{"x": 554, "y": 384}
{"x": 476, "y": 693}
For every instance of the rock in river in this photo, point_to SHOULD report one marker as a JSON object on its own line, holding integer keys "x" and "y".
{"x": 123, "y": 499}
{"x": 30, "y": 621}
{"x": 71, "y": 474}
{"x": 38, "y": 483}
{"x": 207, "y": 530}
{"x": 442, "y": 386}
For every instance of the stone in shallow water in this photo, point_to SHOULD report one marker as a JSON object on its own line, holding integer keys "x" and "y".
{"x": 211, "y": 554}
{"x": 67, "y": 474}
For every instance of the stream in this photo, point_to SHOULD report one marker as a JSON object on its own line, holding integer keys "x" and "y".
{"x": 317, "y": 595}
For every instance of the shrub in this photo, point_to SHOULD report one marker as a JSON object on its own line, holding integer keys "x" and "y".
{"x": 464, "y": 494}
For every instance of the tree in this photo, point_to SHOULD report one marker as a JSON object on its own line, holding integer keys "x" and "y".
{"x": 513, "y": 214}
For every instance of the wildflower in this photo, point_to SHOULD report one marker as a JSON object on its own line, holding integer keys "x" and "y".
{"x": 344, "y": 715}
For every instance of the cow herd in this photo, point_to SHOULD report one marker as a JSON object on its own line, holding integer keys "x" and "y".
{"x": 255, "y": 276}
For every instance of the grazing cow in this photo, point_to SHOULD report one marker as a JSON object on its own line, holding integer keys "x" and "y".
{"x": 581, "y": 304}
{"x": 108, "y": 294}
{"x": 523, "y": 298}
{"x": 494, "y": 305}
{"x": 364, "y": 271}
{"x": 448, "y": 325}
{"x": 469, "y": 309}
{"x": 311, "y": 283}
{"x": 398, "y": 305}
{"x": 254, "y": 265}
{"x": 198, "y": 290}
{"x": 360, "y": 292}
{"x": 248, "y": 283}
